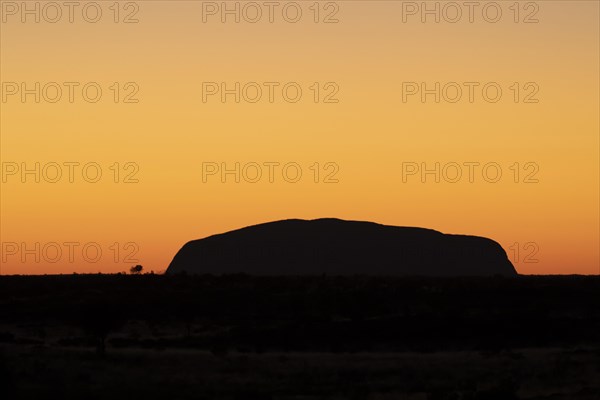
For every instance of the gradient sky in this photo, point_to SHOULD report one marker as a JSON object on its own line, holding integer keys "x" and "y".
{"x": 369, "y": 134}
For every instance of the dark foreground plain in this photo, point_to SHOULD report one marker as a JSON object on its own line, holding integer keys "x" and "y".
{"x": 318, "y": 337}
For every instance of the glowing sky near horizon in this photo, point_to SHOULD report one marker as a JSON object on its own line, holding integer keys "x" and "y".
{"x": 367, "y": 134}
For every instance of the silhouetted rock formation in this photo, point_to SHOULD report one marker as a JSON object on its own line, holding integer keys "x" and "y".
{"x": 337, "y": 247}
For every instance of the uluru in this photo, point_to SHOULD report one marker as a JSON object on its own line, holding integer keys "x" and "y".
{"x": 338, "y": 247}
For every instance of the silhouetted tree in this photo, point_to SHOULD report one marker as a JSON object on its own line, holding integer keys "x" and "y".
{"x": 136, "y": 270}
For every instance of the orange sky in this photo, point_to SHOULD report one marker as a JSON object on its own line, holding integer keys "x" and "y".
{"x": 365, "y": 131}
